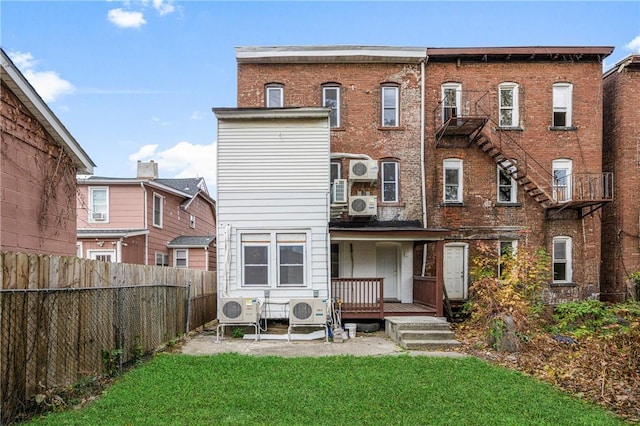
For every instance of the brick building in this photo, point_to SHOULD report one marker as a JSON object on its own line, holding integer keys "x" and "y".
{"x": 621, "y": 221}
{"x": 500, "y": 146}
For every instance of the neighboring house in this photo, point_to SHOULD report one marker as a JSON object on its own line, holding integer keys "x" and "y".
{"x": 39, "y": 160}
{"x": 497, "y": 146}
{"x": 621, "y": 223}
{"x": 146, "y": 220}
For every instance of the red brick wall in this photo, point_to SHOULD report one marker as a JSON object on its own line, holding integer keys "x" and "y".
{"x": 621, "y": 240}
{"x": 37, "y": 185}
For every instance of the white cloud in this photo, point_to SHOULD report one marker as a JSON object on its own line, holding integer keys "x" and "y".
{"x": 634, "y": 45}
{"x": 183, "y": 160}
{"x": 126, "y": 19}
{"x": 196, "y": 115}
{"x": 164, "y": 7}
{"x": 48, "y": 84}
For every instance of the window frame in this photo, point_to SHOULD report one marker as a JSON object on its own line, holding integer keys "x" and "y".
{"x": 176, "y": 258}
{"x": 335, "y": 260}
{"x": 255, "y": 244}
{"x": 514, "y": 248}
{"x": 164, "y": 259}
{"x": 452, "y": 164}
{"x": 280, "y": 265}
{"x": 458, "y": 100}
{"x": 335, "y": 172}
{"x": 157, "y": 216}
{"x": 562, "y": 99}
{"x": 92, "y": 204}
{"x": 567, "y": 165}
{"x": 513, "y": 187}
{"x": 394, "y": 88}
{"x": 567, "y": 261}
{"x": 273, "y": 87}
{"x": 515, "y": 115}
{"x": 334, "y": 115}
{"x": 98, "y": 254}
{"x": 395, "y": 182}
{"x": 192, "y": 221}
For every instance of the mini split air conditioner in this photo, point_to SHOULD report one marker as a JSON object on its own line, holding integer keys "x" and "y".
{"x": 308, "y": 311}
{"x": 363, "y": 205}
{"x": 363, "y": 170}
{"x": 339, "y": 194}
{"x": 239, "y": 310}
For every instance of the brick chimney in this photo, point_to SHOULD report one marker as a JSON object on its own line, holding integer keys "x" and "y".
{"x": 147, "y": 170}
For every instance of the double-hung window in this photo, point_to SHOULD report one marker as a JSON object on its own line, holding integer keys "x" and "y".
{"x": 452, "y": 180}
{"x": 506, "y": 253}
{"x": 181, "y": 259}
{"x": 274, "y": 257}
{"x": 562, "y": 176}
{"x": 390, "y": 192}
{"x": 274, "y": 96}
{"x": 562, "y": 271}
{"x": 390, "y": 106}
{"x": 331, "y": 99}
{"x": 162, "y": 259}
{"x": 291, "y": 259}
{"x": 158, "y": 207}
{"x": 508, "y": 105}
{"x": 507, "y": 187}
{"x": 562, "y": 104}
{"x": 255, "y": 259}
{"x": 451, "y": 100}
{"x": 98, "y": 205}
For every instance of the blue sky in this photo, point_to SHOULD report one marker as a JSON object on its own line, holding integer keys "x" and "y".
{"x": 136, "y": 80}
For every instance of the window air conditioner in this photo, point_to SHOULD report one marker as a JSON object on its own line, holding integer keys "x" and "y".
{"x": 238, "y": 310}
{"x": 363, "y": 205}
{"x": 339, "y": 195}
{"x": 99, "y": 216}
{"x": 363, "y": 170}
{"x": 308, "y": 311}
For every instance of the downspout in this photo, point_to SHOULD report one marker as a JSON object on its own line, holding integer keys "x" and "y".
{"x": 146, "y": 237}
{"x": 423, "y": 185}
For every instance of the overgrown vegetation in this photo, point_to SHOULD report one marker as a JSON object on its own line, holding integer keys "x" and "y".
{"x": 268, "y": 390}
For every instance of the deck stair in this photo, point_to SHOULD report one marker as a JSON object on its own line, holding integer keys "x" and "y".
{"x": 421, "y": 333}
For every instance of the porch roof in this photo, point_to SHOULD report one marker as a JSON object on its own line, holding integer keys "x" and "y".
{"x": 385, "y": 231}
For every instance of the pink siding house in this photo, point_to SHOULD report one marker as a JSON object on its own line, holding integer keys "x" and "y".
{"x": 147, "y": 220}
{"x": 38, "y": 167}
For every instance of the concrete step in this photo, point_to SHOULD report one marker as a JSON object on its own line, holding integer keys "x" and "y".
{"x": 429, "y": 345}
{"x": 407, "y": 335}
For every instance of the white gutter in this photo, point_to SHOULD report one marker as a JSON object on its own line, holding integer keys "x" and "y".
{"x": 349, "y": 155}
{"x": 422, "y": 161}
{"x": 146, "y": 237}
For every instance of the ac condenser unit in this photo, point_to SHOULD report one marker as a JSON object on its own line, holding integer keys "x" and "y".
{"x": 363, "y": 205}
{"x": 339, "y": 194}
{"x": 239, "y": 310}
{"x": 308, "y": 311}
{"x": 363, "y": 170}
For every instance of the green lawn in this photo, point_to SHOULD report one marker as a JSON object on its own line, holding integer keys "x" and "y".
{"x": 232, "y": 389}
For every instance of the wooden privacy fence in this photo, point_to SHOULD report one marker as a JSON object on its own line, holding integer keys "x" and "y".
{"x": 59, "y": 315}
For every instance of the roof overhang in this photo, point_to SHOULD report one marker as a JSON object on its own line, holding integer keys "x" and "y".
{"x": 19, "y": 85}
{"x": 531, "y": 53}
{"x": 270, "y": 113}
{"x": 110, "y": 233}
{"x": 329, "y": 54}
{"x": 631, "y": 61}
{"x": 388, "y": 234}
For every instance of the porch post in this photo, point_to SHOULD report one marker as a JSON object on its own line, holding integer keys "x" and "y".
{"x": 439, "y": 277}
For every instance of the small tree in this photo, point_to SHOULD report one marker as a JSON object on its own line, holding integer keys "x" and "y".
{"x": 507, "y": 304}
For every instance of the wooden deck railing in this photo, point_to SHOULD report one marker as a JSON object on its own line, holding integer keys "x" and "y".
{"x": 361, "y": 297}
{"x": 425, "y": 291}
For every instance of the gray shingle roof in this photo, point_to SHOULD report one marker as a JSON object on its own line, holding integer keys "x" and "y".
{"x": 191, "y": 241}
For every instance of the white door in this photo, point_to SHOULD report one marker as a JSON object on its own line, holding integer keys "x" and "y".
{"x": 455, "y": 271}
{"x": 387, "y": 268}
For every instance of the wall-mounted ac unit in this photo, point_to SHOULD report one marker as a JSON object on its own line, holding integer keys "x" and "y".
{"x": 339, "y": 194}
{"x": 308, "y": 311}
{"x": 238, "y": 310}
{"x": 99, "y": 216}
{"x": 363, "y": 170}
{"x": 363, "y": 205}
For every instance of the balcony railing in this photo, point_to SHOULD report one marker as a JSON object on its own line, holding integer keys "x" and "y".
{"x": 584, "y": 187}
{"x": 360, "y": 297}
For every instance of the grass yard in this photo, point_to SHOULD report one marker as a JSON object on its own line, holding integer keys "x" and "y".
{"x": 232, "y": 389}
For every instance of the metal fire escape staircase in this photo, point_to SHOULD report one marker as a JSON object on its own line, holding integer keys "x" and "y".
{"x": 588, "y": 193}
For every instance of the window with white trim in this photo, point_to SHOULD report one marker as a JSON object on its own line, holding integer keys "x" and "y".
{"x": 181, "y": 258}
{"x": 335, "y": 172}
{"x": 331, "y": 99}
{"x": 389, "y": 177}
{"x": 507, "y": 187}
{"x": 507, "y": 250}
{"x": 274, "y": 96}
{"x": 508, "y": 99}
{"x": 562, "y": 270}
{"x": 452, "y": 181}
{"x": 562, "y": 176}
{"x": 192, "y": 221}
{"x": 162, "y": 259}
{"x": 451, "y": 100}
{"x": 158, "y": 207}
{"x": 291, "y": 259}
{"x": 390, "y": 106}
{"x": 255, "y": 259}
{"x": 562, "y": 104}
{"x": 98, "y": 204}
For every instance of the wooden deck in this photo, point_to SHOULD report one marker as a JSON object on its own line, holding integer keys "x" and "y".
{"x": 407, "y": 309}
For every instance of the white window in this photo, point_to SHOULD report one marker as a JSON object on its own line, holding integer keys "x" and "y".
{"x": 291, "y": 259}
{"x": 507, "y": 249}
{"x": 162, "y": 259}
{"x": 181, "y": 258}
{"x": 562, "y": 271}
{"x": 274, "y": 96}
{"x": 98, "y": 205}
{"x": 508, "y": 93}
{"x": 451, "y": 100}
{"x": 255, "y": 259}
{"x": 390, "y": 110}
{"x": 389, "y": 182}
{"x": 192, "y": 221}
{"x": 507, "y": 187}
{"x": 158, "y": 206}
{"x": 103, "y": 255}
{"x": 335, "y": 172}
{"x": 452, "y": 180}
{"x": 562, "y": 176}
{"x": 331, "y": 99}
{"x": 562, "y": 101}
{"x": 79, "y": 250}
